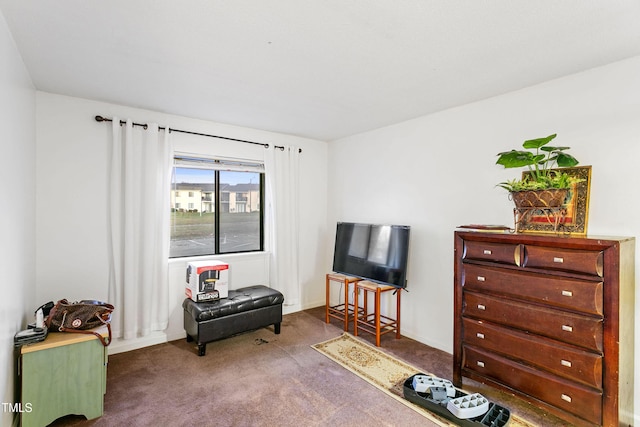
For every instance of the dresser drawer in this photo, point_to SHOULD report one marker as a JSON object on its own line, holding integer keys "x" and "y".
{"x": 579, "y": 261}
{"x": 568, "y": 362}
{"x": 579, "y": 400}
{"x": 573, "y": 294}
{"x": 503, "y": 253}
{"x": 584, "y": 331}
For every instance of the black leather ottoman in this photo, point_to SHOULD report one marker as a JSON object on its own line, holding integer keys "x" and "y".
{"x": 243, "y": 310}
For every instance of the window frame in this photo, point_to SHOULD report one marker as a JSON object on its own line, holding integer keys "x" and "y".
{"x": 218, "y": 166}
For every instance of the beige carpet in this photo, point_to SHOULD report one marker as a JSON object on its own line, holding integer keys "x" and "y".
{"x": 381, "y": 370}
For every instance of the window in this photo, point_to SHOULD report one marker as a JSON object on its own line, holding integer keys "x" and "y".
{"x": 224, "y": 202}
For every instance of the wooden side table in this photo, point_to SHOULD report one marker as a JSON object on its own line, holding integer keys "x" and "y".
{"x": 343, "y": 311}
{"x": 376, "y": 323}
{"x": 64, "y": 374}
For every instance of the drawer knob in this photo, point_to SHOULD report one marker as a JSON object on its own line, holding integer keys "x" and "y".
{"x": 567, "y": 293}
{"x": 480, "y": 363}
{"x": 567, "y": 328}
{"x": 487, "y": 251}
{"x": 566, "y": 397}
{"x": 481, "y": 307}
{"x": 558, "y": 259}
{"x": 481, "y": 279}
{"x": 480, "y": 335}
{"x": 566, "y": 363}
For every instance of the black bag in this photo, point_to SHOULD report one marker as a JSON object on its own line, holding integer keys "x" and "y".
{"x": 80, "y": 317}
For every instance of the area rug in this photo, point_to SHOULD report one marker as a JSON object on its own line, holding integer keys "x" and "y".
{"x": 382, "y": 370}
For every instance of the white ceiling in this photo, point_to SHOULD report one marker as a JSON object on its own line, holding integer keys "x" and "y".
{"x": 322, "y": 69}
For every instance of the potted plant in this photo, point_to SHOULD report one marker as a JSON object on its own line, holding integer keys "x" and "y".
{"x": 542, "y": 186}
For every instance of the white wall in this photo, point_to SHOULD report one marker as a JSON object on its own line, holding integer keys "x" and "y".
{"x": 438, "y": 172}
{"x": 71, "y": 217}
{"x": 17, "y": 239}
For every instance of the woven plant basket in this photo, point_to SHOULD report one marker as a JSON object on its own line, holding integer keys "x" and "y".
{"x": 552, "y": 198}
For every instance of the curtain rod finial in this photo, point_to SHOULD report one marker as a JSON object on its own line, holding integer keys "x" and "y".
{"x": 99, "y": 119}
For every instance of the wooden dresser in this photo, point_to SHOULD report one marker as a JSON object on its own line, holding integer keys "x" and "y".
{"x": 549, "y": 318}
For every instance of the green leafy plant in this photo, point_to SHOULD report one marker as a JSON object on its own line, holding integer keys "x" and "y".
{"x": 540, "y": 161}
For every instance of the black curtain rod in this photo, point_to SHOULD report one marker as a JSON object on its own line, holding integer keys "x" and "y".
{"x": 144, "y": 125}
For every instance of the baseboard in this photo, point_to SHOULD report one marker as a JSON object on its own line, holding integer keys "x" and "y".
{"x": 311, "y": 305}
{"x": 288, "y": 309}
{"x": 176, "y": 336}
{"x": 120, "y": 345}
{"x": 426, "y": 341}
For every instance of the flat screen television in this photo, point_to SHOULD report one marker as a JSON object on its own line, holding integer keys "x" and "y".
{"x": 373, "y": 252}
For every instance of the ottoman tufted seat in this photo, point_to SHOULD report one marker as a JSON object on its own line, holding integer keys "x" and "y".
{"x": 243, "y": 310}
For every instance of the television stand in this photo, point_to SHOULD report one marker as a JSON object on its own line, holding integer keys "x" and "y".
{"x": 343, "y": 311}
{"x": 376, "y": 323}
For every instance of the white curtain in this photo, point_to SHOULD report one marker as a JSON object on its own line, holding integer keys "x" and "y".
{"x": 282, "y": 220}
{"x": 139, "y": 229}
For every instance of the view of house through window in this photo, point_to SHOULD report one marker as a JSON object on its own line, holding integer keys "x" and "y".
{"x": 215, "y": 211}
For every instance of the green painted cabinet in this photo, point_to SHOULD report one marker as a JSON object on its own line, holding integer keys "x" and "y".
{"x": 63, "y": 375}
